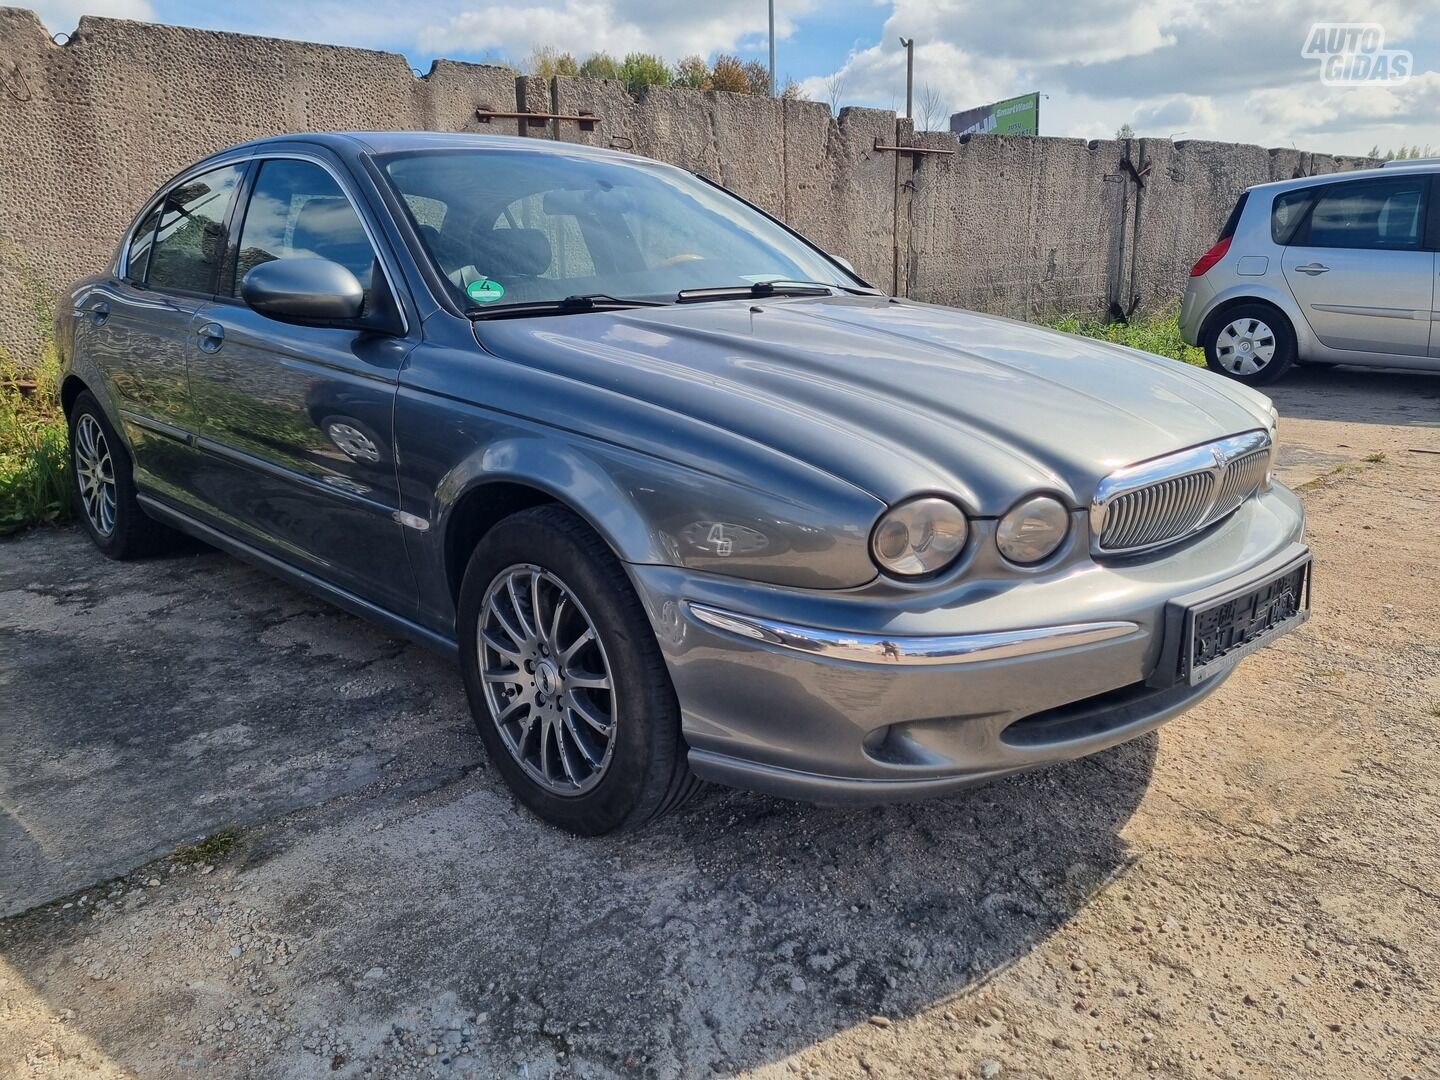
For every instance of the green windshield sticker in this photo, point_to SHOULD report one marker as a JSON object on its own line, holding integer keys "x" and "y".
{"x": 485, "y": 291}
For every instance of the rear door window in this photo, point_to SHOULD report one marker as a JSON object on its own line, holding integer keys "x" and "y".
{"x": 190, "y": 239}
{"x": 1377, "y": 214}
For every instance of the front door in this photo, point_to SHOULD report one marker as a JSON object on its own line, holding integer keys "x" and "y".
{"x": 137, "y": 326}
{"x": 294, "y": 422}
{"x": 1359, "y": 269}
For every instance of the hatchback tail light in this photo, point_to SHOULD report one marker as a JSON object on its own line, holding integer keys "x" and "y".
{"x": 1211, "y": 257}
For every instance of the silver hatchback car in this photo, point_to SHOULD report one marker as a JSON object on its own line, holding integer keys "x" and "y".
{"x": 1336, "y": 269}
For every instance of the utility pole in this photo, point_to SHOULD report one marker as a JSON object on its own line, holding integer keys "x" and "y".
{"x": 772, "y": 48}
{"x": 909, "y": 44}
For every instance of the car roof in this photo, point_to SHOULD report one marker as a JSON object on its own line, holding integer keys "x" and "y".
{"x": 347, "y": 143}
{"x": 1350, "y": 174}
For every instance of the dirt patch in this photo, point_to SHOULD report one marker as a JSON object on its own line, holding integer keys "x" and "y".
{"x": 1252, "y": 892}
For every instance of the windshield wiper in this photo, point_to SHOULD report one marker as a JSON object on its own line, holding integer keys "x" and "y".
{"x": 761, "y": 289}
{"x": 570, "y": 305}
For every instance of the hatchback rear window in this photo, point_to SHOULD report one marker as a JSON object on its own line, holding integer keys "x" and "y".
{"x": 1288, "y": 211}
{"x": 1233, "y": 221}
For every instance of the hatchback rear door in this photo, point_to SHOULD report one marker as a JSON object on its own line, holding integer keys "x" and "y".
{"x": 1360, "y": 269}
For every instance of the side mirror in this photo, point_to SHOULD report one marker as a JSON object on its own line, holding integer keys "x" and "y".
{"x": 309, "y": 291}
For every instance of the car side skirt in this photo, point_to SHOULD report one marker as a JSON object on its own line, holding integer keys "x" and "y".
{"x": 341, "y": 598}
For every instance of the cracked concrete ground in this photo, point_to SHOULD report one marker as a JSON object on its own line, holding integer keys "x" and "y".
{"x": 1252, "y": 892}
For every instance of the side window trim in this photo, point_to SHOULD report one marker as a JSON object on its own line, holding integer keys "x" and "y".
{"x": 133, "y": 235}
{"x": 1432, "y": 214}
{"x": 1301, "y": 236}
{"x": 347, "y": 189}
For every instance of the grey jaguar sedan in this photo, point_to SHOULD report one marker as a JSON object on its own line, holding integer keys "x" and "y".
{"x": 685, "y": 497}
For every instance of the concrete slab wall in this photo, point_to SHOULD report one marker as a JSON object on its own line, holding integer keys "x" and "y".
{"x": 1019, "y": 226}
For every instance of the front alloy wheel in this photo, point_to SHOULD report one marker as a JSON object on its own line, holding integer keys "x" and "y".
{"x": 565, "y": 677}
{"x": 547, "y": 680}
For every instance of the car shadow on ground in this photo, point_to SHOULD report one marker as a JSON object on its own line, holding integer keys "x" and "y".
{"x": 1359, "y": 395}
{"x": 157, "y": 702}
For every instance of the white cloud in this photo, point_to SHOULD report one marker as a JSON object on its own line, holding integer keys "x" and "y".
{"x": 1215, "y": 69}
{"x": 614, "y": 26}
{"x": 62, "y": 16}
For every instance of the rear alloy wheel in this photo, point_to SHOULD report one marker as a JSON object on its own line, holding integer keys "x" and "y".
{"x": 565, "y": 678}
{"x": 105, "y": 487}
{"x": 1253, "y": 344}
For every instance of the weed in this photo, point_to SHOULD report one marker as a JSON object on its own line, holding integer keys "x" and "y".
{"x": 34, "y": 455}
{"x": 1158, "y": 333}
{"x": 209, "y": 850}
{"x": 1376, "y": 458}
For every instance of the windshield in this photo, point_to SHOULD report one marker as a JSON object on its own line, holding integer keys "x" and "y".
{"x": 517, "y": 226}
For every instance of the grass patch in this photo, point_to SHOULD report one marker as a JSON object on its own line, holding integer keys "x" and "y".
{"x": 1376, "y": 458}
{"x": 1158, "y": 333}
{"x": 34, "y": 454}
{"x": 210, "y": 850}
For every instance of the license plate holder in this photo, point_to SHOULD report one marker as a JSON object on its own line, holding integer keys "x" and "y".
{"x": 1207, "y": 634}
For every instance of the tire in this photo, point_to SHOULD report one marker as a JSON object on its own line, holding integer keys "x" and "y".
{"x": 602, "y": 783}
{"x": 104, "y": 488}
{"x": 1251, "y": 343}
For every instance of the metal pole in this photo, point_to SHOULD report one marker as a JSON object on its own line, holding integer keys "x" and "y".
{"x": 909, "y": 76}
{"x": 772, "y": 48}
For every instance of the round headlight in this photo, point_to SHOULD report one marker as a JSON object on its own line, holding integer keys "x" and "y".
{"x": 1032, "y": 530}
{"x": 920, "y": 536}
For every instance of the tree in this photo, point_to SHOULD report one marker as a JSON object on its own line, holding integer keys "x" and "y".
{"x": 791, "y": 91}
{"x": 644, "y": 69}
{"x": 600, "y": 65}
{"x": 547, "y": 62}
{"x": 757, "y": 76}
{"x": 728, "y": 73}
{"x": 834, "y": 91}
{"x": 933, "y": 110}
{"x": 694, "y": 73}
{"x": 1125, "y": 132}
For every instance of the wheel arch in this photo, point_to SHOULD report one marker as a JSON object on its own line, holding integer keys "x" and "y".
{"x": 71, "y": 388}
{"x": 516, "y": 474}
{"x": 1268, "y": 297}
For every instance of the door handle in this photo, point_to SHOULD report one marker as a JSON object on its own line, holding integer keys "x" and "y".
{"x": 99, "y": 313}
{"x": 1313, "y": 269}
{"x": 212, "y": 336}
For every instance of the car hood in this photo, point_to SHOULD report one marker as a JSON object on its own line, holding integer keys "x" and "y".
{"x": 893, "y": 396}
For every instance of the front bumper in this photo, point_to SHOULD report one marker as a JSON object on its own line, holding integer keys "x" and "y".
{"x": 907, "y": 695}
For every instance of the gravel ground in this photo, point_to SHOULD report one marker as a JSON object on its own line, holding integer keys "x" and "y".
{"x": 1252, "y": 892}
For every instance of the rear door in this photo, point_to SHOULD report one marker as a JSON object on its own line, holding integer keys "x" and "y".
{"x": 1360, "y": 269}
{"x": 138, "y": 326}
{"x": 294, "y": 422}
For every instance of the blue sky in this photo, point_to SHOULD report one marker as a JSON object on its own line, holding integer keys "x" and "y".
{"x": 1217, "y": 69}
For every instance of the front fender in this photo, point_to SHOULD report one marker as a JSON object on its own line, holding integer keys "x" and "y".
{"x": 790, "y": 527}
{"x": 654, "y": 511}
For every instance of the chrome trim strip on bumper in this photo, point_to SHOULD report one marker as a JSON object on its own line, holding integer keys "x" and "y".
{"x": 875, "y": 649}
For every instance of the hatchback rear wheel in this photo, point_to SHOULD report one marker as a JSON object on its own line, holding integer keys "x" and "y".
{"x": 1251, "y": 343}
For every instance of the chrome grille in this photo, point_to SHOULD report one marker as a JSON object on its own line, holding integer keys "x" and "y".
{"x": 1158, "y": 502}
{"x": 1242, "y": 476}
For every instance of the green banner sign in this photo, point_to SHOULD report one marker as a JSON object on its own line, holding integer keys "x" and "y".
{"x": 1013, "y": 116}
